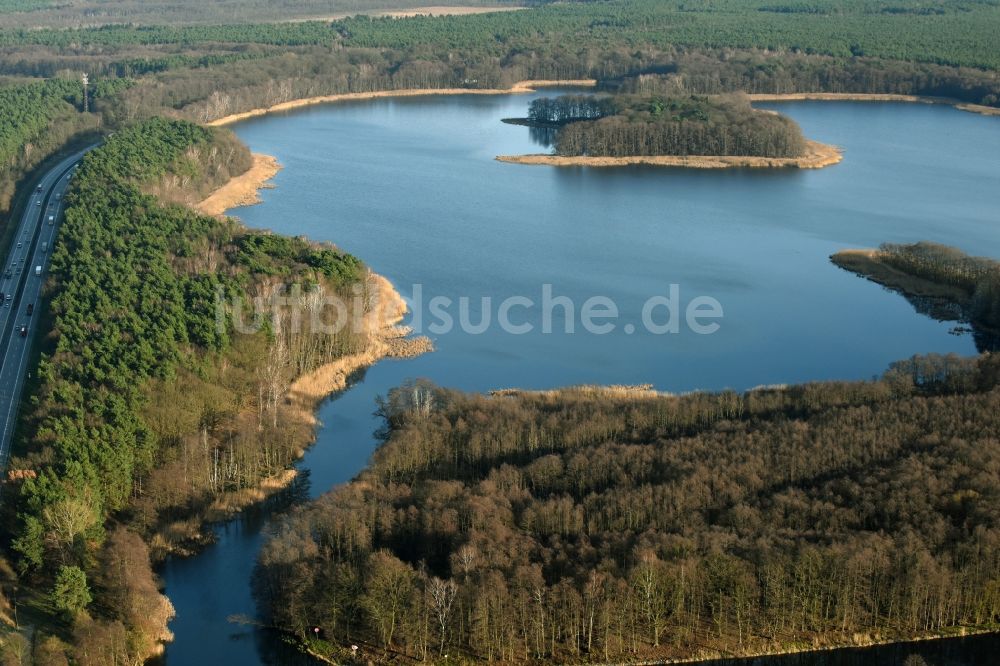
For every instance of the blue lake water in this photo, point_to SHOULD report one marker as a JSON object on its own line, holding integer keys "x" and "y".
{"x": 411, "y": 187}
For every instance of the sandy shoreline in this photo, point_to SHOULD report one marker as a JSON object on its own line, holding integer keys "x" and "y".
{"x": 243, "y": 189}
{"x": 818, "y": 155}
{"x": 519, "y": 87}
{"x": 438, "y": 10}
{"x": 874, "y": 97}
{"x": 387, "y": 339}
{"x": 531, "y": 85}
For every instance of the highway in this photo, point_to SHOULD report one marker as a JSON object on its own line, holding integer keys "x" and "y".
{"x": 21, "y": 278}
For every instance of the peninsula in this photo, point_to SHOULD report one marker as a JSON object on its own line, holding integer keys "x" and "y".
{"x": 942, "y": 281}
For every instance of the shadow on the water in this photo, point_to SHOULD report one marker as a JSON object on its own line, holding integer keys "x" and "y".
{"x": 543, "y": 136}
{"x": 275, "y": 648}
{"x": 944, "y": 310}
{"x": 965, "y": 651}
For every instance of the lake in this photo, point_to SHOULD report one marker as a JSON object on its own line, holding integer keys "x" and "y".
{"x": 411, "y": 187}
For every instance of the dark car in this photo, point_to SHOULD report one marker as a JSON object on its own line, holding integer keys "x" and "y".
{"x": 31, "y": 308}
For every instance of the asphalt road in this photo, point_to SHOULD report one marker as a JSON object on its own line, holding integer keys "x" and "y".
{"x": 21, "y": 278}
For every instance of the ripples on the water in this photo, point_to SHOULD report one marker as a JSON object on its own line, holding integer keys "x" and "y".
{"x": 410, "y": 186}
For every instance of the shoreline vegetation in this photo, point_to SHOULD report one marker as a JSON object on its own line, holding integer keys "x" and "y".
{"x": 243, "y": 189}
{"x": 868, "y": 263}
{"x": 526, "y": 86}
{"x": 386, "y": 338}
{"x": 531, "y": 85}
{"x": 939, "y": 281}
{"x": 817, "y": 156}
{"x": 874, "y": 97}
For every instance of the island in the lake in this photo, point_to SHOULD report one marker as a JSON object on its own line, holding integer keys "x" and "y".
{"x": 688, "y": 131}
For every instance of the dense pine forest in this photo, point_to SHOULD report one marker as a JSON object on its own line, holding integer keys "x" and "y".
{"x": 603, "y": 525}
{"x": 623, "y": 125}
{"x": 38, "y": 118}
{"x": 147, "y": 411}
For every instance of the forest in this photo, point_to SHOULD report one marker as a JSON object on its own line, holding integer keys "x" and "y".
{"x": 962, "y": 34}
{"x": 706, "y": 72}
{"x": 149, "y": 418}
{"x": 207, "y": 71}
{"x": 616, "y": 525}
{"x": 626, "y": 125}
{"x": 147, "y": 410}
{"x": 30, "y": 13}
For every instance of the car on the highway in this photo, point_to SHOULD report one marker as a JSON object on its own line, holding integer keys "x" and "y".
{"x": 19, "y": 246}
{"x": 24, "y": 331}
{"x": 8, "y": 273}
{"x": 31, "y": 308}
{"x": 38, "y": 203}
{"x": 52, "y": 218}
{"x": 38, "y": 189}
